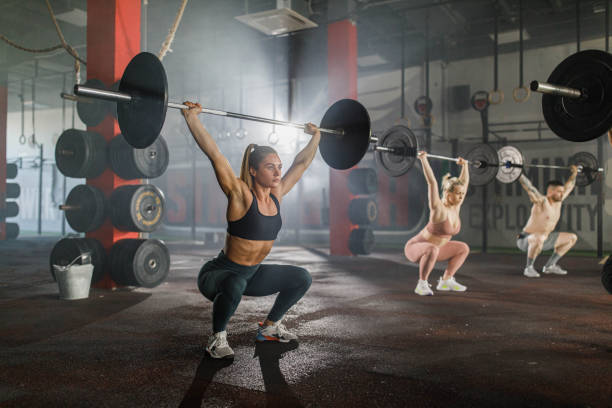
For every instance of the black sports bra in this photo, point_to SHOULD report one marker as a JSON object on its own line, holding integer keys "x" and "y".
{"x": 254, "y": 225}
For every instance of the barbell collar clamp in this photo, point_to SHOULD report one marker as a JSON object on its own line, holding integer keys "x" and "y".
{"x": 557, "y": 90}
{"x": 113, "y": 96}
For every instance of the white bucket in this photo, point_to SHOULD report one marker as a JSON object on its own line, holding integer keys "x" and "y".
{"x": 74, "y": 280}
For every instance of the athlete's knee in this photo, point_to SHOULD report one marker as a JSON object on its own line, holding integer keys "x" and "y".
{"x": 303, "y": 277}
{"x": 536, "y": 240}
{"x": 432, "y": 251}
{"x": 573, "y": 238}
{"x": 463, "y": 248}
{"x": 233, "y": 287}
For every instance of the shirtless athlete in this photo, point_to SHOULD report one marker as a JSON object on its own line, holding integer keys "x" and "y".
{"x": 538, "y": 235}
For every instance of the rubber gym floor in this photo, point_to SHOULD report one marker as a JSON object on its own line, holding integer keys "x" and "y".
{"x": 366, "y": 340}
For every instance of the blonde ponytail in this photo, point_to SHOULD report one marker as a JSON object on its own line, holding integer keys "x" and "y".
{"x": 244, "y": 167}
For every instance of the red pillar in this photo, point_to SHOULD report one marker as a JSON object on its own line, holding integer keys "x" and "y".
{"x": 3, "y": 118}
{"x": 342, "y": 83}
{"x": 113, "y": 39}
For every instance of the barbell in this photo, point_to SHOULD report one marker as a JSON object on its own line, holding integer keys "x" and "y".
{"x": 142, "y": 102}
{"x": 577, "y": 97}
{"x": 398, "y": 148}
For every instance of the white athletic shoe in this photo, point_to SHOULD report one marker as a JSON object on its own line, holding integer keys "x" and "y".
{"x": 450, "y": 284}
{"x": 275, "y": 332}
{"x": 218, "y": 347}
{"x": 423, "y": 288}
{"x": 530, "y": 272}
{"x": 556, "y": 269}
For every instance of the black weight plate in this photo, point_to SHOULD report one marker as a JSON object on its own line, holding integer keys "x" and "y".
{"x": 139, "y": 262}
{"x": 480, "y": 100}
{"x": 363, "y": 181}
{"x": 98, "y": 160}
{"x": 151, "y": 263}
{"x": 92, "y": 111}
{"x": 141, "y": 119}
{"x": 80, "y": 154}
{"x": 589, "y": 168}
{"x": 72, "y": 153}
{"x": 402, "y": 138}
{"x": 361, "y": 241}
{"x": 67, "y": 249}
{"x": 90, "y": 209}
{"x": 152, "y": 161}
{"x": 363, "y": 211}
{"x": 121, "y": 158}
{"x": 11, "y": 171}
{"x": 13, "y": 190}
{"x": 606, "y": 275}
{"x": 488, "y": 164}
{"x": 343, "y": 152}
{"x": 582, "y": 119}
{"x": 137, "y": 208}
{"x": 11, "y": 230}
{"x": 130, "y": 163}
{"x": 11, "y": 209}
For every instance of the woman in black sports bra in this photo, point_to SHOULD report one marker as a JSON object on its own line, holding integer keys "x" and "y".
{"x": 253, "y": 218}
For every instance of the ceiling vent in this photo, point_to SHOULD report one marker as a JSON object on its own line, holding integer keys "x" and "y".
{"x": 288, "y": 16}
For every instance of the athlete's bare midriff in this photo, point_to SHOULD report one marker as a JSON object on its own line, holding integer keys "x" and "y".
{"x": 543, "y": 218}
{"x": 433, "y": 239}
{"x": 246, "y": 251}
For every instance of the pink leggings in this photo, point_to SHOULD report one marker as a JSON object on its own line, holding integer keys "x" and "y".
{"x": 418, "y": 249}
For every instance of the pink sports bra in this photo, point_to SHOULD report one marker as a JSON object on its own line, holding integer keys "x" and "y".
{"x": 443, "y": 229}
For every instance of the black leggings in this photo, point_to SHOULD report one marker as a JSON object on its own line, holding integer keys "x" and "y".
{"x": 224, "y": 282}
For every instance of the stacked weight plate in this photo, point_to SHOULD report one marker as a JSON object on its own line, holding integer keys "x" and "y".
{"x": 139, "y": 262}
{"x": 130, "y": 163}
{"x": 85, "y": 208}
{"x": 80, "y": 154}
{"x": 137, "y": 208}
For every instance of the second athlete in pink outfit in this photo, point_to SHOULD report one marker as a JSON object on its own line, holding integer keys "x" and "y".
{"x": 434, "y": 242}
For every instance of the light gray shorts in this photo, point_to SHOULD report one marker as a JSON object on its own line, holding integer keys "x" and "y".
{"x": 523, "y": 244}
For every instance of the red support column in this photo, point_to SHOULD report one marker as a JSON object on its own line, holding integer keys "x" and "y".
{"x": 3, "y": 119}
{"x": 113, "y": 39}
{"x": 342, "y": 83}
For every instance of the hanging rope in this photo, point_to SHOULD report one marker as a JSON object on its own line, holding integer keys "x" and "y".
{"x": 65, "y": 45}
{"x": 166, "y": 45}
{"x": 33, "y": 50}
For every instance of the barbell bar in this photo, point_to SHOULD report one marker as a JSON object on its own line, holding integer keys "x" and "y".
{"x": 122, "y": 97}
{"x": 557, "y": 90}
{"x": 548, "y": 166}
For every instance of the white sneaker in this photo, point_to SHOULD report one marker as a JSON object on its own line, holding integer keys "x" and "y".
{"x": 218, "y": 347}
{"x": 423, "y": 288}
{"x": 530, "y": 272}
{"x": 450, "y": 284}
{"x": 275, "y": 332}
{"x": 556, "y": 269}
